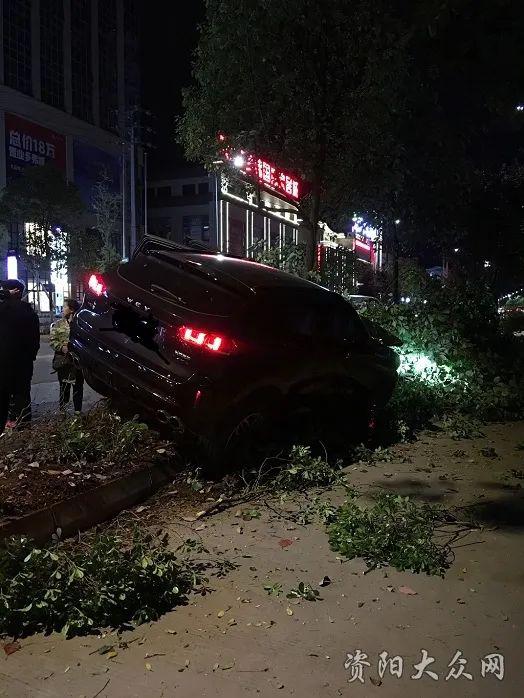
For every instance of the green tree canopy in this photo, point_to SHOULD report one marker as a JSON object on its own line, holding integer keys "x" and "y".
{"x": 389, "y": 109}
{"x": 41, "y": 197}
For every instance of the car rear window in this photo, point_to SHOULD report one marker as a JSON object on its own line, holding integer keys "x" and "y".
{"x": 180, "y": 284}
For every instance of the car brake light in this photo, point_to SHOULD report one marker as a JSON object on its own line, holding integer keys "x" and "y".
{"x": 207, "y": 340}
{"x": 96, "y": 284}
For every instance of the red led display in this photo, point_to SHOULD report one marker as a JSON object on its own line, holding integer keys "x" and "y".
{"x": 264, "y": 172}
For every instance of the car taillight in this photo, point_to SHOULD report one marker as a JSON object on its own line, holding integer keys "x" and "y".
{"x": 96, "y": 284}
{"x": 215, "y": 343}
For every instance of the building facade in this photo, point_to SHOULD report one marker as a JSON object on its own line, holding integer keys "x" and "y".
{"x": 225, "y": 210}
{"x": 69, "y": 76}
{"x": 251, "y": 206}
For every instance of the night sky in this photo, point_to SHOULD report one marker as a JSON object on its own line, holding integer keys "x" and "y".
{"x": 169, "y": 35}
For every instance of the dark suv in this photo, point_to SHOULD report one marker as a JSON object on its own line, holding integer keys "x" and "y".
{"x": 202, "y": 340}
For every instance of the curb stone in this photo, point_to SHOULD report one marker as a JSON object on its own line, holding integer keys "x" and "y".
{"x": 87, "y": 509}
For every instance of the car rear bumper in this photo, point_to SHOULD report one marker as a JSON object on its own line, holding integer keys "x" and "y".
{"x": 189, "y": 403}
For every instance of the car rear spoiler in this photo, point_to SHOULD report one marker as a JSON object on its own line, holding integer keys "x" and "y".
{"x": 163, "y": 243}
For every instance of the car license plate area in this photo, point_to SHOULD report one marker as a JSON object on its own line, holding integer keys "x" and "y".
{"x": 138, "y": 328}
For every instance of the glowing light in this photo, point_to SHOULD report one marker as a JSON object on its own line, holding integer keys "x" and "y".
{"x": 362, "y": 245}
{"x": 397, "y": 222}
{"x": 520, "y": 107}
{"x": 96, "y": 284}
{"x": 486, "y": 264}
{"x": 456, "y": 249}
{"x": 265, "y": 173}
{"x": 12, "y": 267}
{"x": 201, "y": 338}
{"x": 362, "y": 228}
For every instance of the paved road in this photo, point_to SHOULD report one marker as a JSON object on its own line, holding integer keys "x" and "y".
{"x": 44, "y": 391}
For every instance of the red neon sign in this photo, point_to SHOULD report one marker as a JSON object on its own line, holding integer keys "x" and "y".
{"x": 264, "y": 172}
{"x": 362, "y": 245}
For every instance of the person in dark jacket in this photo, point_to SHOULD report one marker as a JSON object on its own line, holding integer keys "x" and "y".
{"x": 19, "y": 345}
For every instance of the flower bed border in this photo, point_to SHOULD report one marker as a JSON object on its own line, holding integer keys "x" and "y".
{"x": 92, "y": 507}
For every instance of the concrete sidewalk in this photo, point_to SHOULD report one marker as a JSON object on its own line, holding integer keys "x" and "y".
{"x": 44, "y": 389}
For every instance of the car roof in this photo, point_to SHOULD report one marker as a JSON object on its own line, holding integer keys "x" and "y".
{"x": 252, "y": 274}
{"x": 245, "y": 273}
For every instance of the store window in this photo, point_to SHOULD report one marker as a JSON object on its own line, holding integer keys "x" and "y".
{"x": 237, "y": 237}
{"x": 258, "y": 233}
{"x": 17, "y": 44}
{"x": 288, "y": 235}
{"x": 274, "y": 237}
{"x": 196, "y": 227}
{"x": 162, "y": 192}
{"x": 160, "y": 226}
{"x": 188, "y": 189}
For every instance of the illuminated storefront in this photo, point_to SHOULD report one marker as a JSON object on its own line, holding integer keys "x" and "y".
{"x": 256, "y": 205}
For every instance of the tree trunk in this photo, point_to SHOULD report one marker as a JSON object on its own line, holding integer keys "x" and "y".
{"x": 312, "y": 239}
{"x": 396, "y": 289}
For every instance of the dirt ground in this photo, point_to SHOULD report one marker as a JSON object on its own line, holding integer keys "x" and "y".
{"x": 240, "y": 641}
{"x": 36, "y": 471}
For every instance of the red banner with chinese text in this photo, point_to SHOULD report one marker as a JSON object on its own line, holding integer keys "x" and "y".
{"x": 27, "y": 143}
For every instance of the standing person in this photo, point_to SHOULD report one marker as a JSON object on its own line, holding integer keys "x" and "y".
{"x": 68, "y": 374}
{"x": 19, "y": 345}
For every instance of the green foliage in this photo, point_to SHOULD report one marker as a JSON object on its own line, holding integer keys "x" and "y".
{"x": 107, "y": 207}
{"x": 303, "y": 591}
{"x": 394, "y": 531}
{"x": 316, "y": 510}
{"x": 54, "y": 207}
{"x": 81, "y": 589}
{"x": 273, "y": 589}
{"x": 454, "y": 358}
{"x": 459, "y": 426}
{"x": 304, "y": 471}
{"x": 289, "y": 257}
{"x": 321, "y": 87}
{"x": 99, "y": 434}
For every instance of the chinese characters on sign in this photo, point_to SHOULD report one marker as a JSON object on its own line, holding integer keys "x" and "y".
{"x": 357, "y": 664}
{"x": 273, "y": 178}
{"x": 267, "y": 175}
{"x": 28, "y": 143}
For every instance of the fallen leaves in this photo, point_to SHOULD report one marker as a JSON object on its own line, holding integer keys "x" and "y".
{"x": 408, "y": 591}
{"x": 285, "y": 542}
{"x": 11, "y": 647}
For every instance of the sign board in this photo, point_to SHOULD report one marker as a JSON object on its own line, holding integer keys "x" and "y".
{"x": 27, "y": 143}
